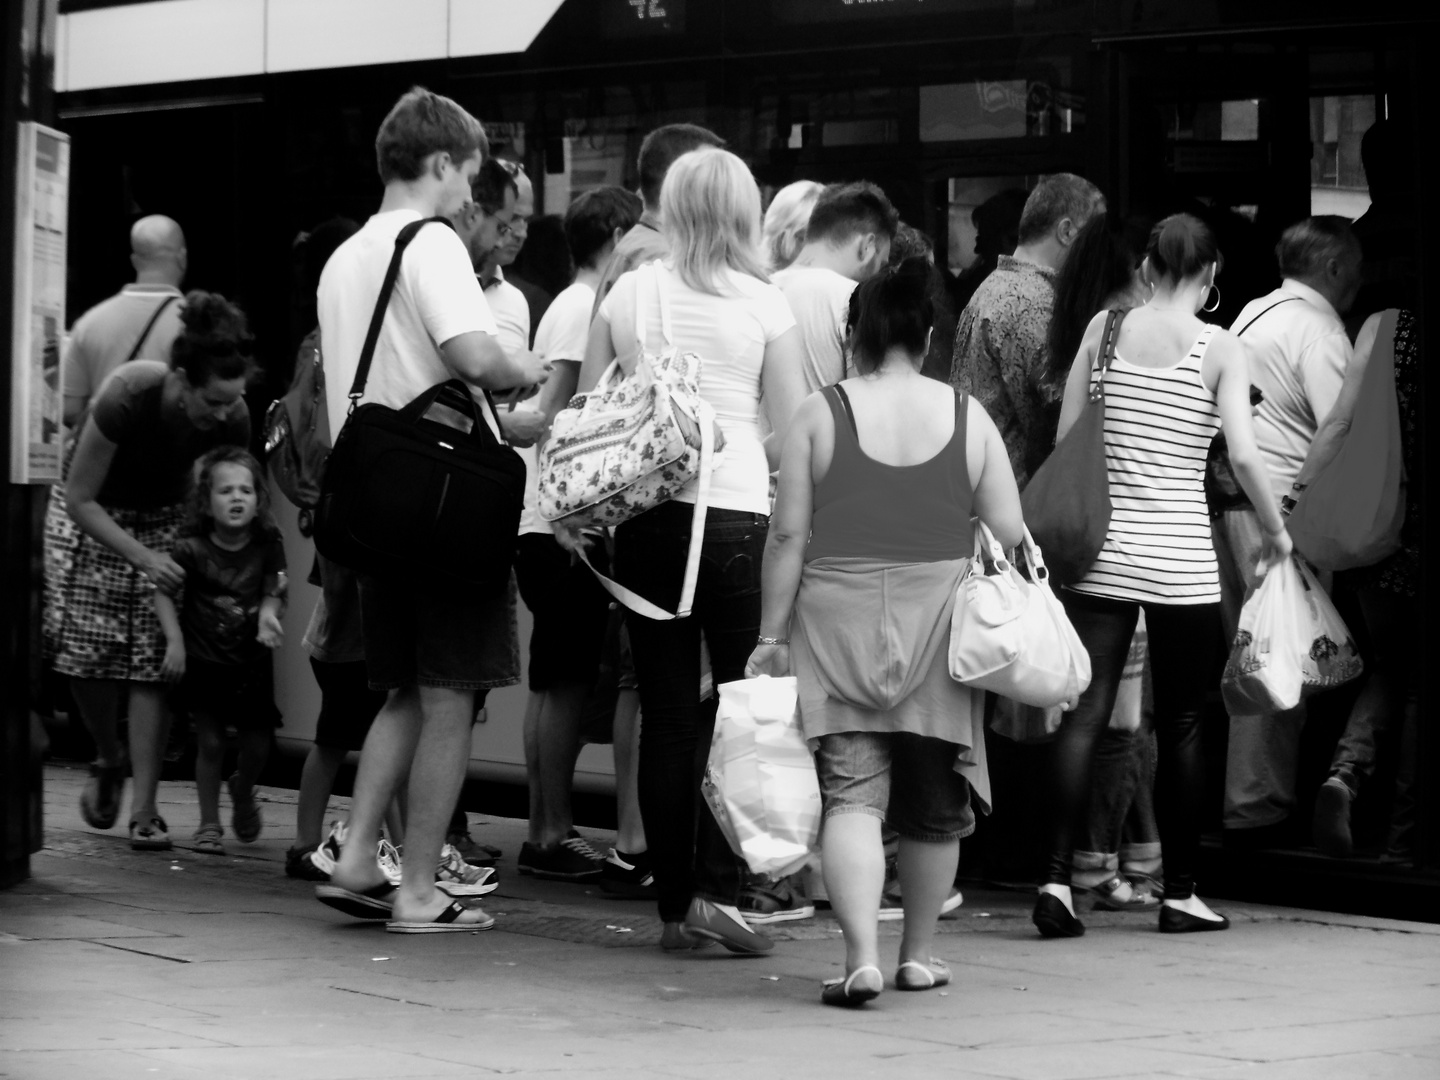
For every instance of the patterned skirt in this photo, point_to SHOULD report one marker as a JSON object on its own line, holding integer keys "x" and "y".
{"x": 100, "y": 620}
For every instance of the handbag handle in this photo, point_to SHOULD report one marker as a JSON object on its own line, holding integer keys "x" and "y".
{"x": 650, "y": 272}
{"x": 457, "y": 396}
{"x": 377, "y": 317}
{"x": 1105, "y": 356}
{"x": 1031, "y": 550}
{"x": 986, "y": 544}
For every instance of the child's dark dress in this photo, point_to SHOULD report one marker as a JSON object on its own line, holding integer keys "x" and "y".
{"x": 228, "y": 674}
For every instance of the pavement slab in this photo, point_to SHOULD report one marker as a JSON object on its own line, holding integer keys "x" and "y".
{"x": 117, "y": 964}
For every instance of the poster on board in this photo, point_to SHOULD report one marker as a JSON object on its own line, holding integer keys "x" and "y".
{"x": 42, "y": 193}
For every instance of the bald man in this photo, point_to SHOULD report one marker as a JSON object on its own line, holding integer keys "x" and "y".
{"x": 140, "y": 322}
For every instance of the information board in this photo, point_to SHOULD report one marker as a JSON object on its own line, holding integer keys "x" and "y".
{"x": 42, "y": 192}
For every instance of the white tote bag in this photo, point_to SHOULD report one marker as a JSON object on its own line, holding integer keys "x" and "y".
{"x": 1010, "y": 635}
{"x": 1290, "y": 643}
{"x": 760, "y": 780}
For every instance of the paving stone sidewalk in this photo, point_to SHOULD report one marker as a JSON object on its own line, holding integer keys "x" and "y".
{"x": 117, "y": 964}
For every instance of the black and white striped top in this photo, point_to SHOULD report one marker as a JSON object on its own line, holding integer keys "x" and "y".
{"x": 1159, "y": 423}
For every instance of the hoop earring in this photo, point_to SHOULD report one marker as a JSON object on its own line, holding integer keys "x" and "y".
{"x": 1208, "y": 308}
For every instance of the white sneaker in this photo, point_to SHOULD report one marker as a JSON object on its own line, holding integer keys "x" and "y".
{"x": 458, "y": 878}
{"x": 387, "y": 857}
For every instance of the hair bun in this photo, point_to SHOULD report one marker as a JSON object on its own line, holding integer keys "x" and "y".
{"x": 210, "y": 319}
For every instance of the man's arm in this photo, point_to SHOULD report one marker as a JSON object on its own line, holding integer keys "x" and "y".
{"x": 1322, "y": 372}
{"x": 1332, "y": 431}
{"x": 478, "y": 359}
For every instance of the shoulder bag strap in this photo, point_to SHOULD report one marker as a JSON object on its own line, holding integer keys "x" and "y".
{"x": 1105, "y": 355}
{"x": 377, "y": 319}
{"x": 1267, "y": 311}
{"x": 154, "y": 318}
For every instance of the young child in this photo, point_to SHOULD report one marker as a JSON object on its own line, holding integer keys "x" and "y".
{"x": 219, "y": 634}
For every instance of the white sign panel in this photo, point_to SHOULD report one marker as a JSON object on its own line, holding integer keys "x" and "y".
{"x": 42, "y": 192}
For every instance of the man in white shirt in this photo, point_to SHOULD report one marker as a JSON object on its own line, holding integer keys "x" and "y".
{"x": 1298, "y": 352}
{"x": 569, "y": 608}
{"x": 139, "y": 322}
{"x": 430, "y": 645}
{"x": 847, "y": 241}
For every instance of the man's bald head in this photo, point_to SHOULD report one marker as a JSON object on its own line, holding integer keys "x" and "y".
{"x": 157, "y": 250}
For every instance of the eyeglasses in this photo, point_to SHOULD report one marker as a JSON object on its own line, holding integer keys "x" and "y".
{"x": 503, "y": 230}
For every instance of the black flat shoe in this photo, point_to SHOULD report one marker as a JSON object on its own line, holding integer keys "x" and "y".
{"x": 1053, "y": 919}
{"x": 1175, "y": 921}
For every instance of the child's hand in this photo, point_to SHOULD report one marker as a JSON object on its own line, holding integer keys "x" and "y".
{"x": 172, "y": 668}
{"x": 271, "y": 632}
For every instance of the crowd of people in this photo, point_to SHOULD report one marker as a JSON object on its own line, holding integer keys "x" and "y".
{"x": 871, "y": 408}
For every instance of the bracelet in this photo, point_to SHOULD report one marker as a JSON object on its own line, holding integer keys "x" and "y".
{"x": 1297, "y": 486}
{"x": 763, "y": 640}
{"x": 1287, "y": 504}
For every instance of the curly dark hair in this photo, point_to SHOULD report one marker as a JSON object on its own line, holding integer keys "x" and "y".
{"x": 198, "y": 519}
{"x": 214, "y": 340}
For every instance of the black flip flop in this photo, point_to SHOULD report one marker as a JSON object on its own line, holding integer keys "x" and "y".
{"x": 375, "y": 902}
{"x": 447, "y": 922}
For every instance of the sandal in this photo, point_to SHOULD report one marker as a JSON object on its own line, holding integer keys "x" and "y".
{"x": 455, "y": 919}
{"x": 245, "y": 817}
{"x": 1106, "y": 896}
{"x": 376, "y": 902}
{"x": 152, "y": 834}
{"x": 207, "y": 840}
{"x": 846, "y": 992}
{"x": 913, "y": 975}
{"x": 100, "y": 801}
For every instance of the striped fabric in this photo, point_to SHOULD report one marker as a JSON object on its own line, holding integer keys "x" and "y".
{"x": 1159, "y": 423}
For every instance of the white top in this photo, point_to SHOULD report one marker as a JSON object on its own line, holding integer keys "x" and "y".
{"x": 104, "y": 336}
{"x": 561, "y": 336}
{"x": 511, "y": 312}
{"x": 1298, "y": 354}
{"x": 729, "y": 333}
{"x": 1159, "y": 423}
{"x": 820, "y": 300}
{"x": 436, "y": 298}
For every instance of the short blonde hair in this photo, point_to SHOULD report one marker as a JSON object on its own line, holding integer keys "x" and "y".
{"x": 785, "y": 221}
{"x": 710, "y": 212}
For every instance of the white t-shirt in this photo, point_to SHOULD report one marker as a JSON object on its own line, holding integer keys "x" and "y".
{"x": 511, "y": 312}
{"x": 729, "y": 333}
{"x": 561, "y": 336}
{"x": 820, "y": 299}
{"x": 436, "y": 298}
{"x": 1298, "y": 354}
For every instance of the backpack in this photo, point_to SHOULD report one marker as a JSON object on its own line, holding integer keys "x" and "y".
{"x": 297, "y": 432}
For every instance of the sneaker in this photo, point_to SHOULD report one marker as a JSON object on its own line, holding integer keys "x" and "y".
{"x": 582, "y": 845}
{"x": 765, "y": 902}
{"x": 458, "y": 878}
{"x": 892, "y": 909}
{"x": 473, "y": 853}
{"x": 627, "y": 876}
{"x": 305, "y": 864}
{"x": 572, "y": 859}
{"x": 387, "y": 857}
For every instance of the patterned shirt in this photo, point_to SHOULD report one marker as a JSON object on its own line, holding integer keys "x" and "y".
{"x": 1001, "y": 356}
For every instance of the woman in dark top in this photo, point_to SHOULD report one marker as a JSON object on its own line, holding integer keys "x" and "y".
{"x": 871, "y": 533}
{"x": 147, "y": 425}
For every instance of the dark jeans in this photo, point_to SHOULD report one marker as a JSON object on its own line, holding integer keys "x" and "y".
{"x": 1391, "y": 683}
{"x": 1184, "y": 644}
{"x": 689, "y": 854}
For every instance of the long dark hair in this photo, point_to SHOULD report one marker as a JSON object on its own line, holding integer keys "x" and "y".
{"x": 892, "y": 308}
{"x": 1102, "y": 261}
{"x": 199, "y": 521}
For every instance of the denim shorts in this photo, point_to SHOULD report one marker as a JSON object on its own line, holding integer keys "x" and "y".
{"x": 438, "y": 634}
{"x": 909, "y": 781}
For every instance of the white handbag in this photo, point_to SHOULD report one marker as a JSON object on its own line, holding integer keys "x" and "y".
{"x": 1009, "y": 635}
{"x": 632, "y": 443}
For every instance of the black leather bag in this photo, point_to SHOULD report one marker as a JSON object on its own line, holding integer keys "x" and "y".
{"x": 405, "y": 496}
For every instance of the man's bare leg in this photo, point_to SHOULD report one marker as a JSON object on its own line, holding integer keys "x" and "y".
{"x": 389, "y": 750}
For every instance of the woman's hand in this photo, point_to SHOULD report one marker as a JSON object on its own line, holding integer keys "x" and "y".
{"x": 1274, "y": 550}
{"x": 161, "y": 571}
{"x": 773, "y": 660}
{"x": 570, "y": 537}
{"x": 172, "y": 668}
{"x": 272, "y": 633}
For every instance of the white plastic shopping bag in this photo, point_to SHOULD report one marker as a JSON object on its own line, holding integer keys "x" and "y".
{"x": 1291, "y": 642}
{"x": 760, "y": 781}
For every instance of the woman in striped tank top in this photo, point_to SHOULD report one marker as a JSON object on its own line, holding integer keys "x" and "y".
{"x": 1174, "y": 381}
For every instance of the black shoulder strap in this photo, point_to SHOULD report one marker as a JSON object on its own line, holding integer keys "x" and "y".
{"x": 844, "y": 400}
{"x": 367, "y": 353}
{"x": 1267, "y": 311}
{"x": 154, "y": 318}
{"x": 1105, "y": 355}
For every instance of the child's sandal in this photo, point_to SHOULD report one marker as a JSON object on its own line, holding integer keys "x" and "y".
{"x": 207, "y": 840}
